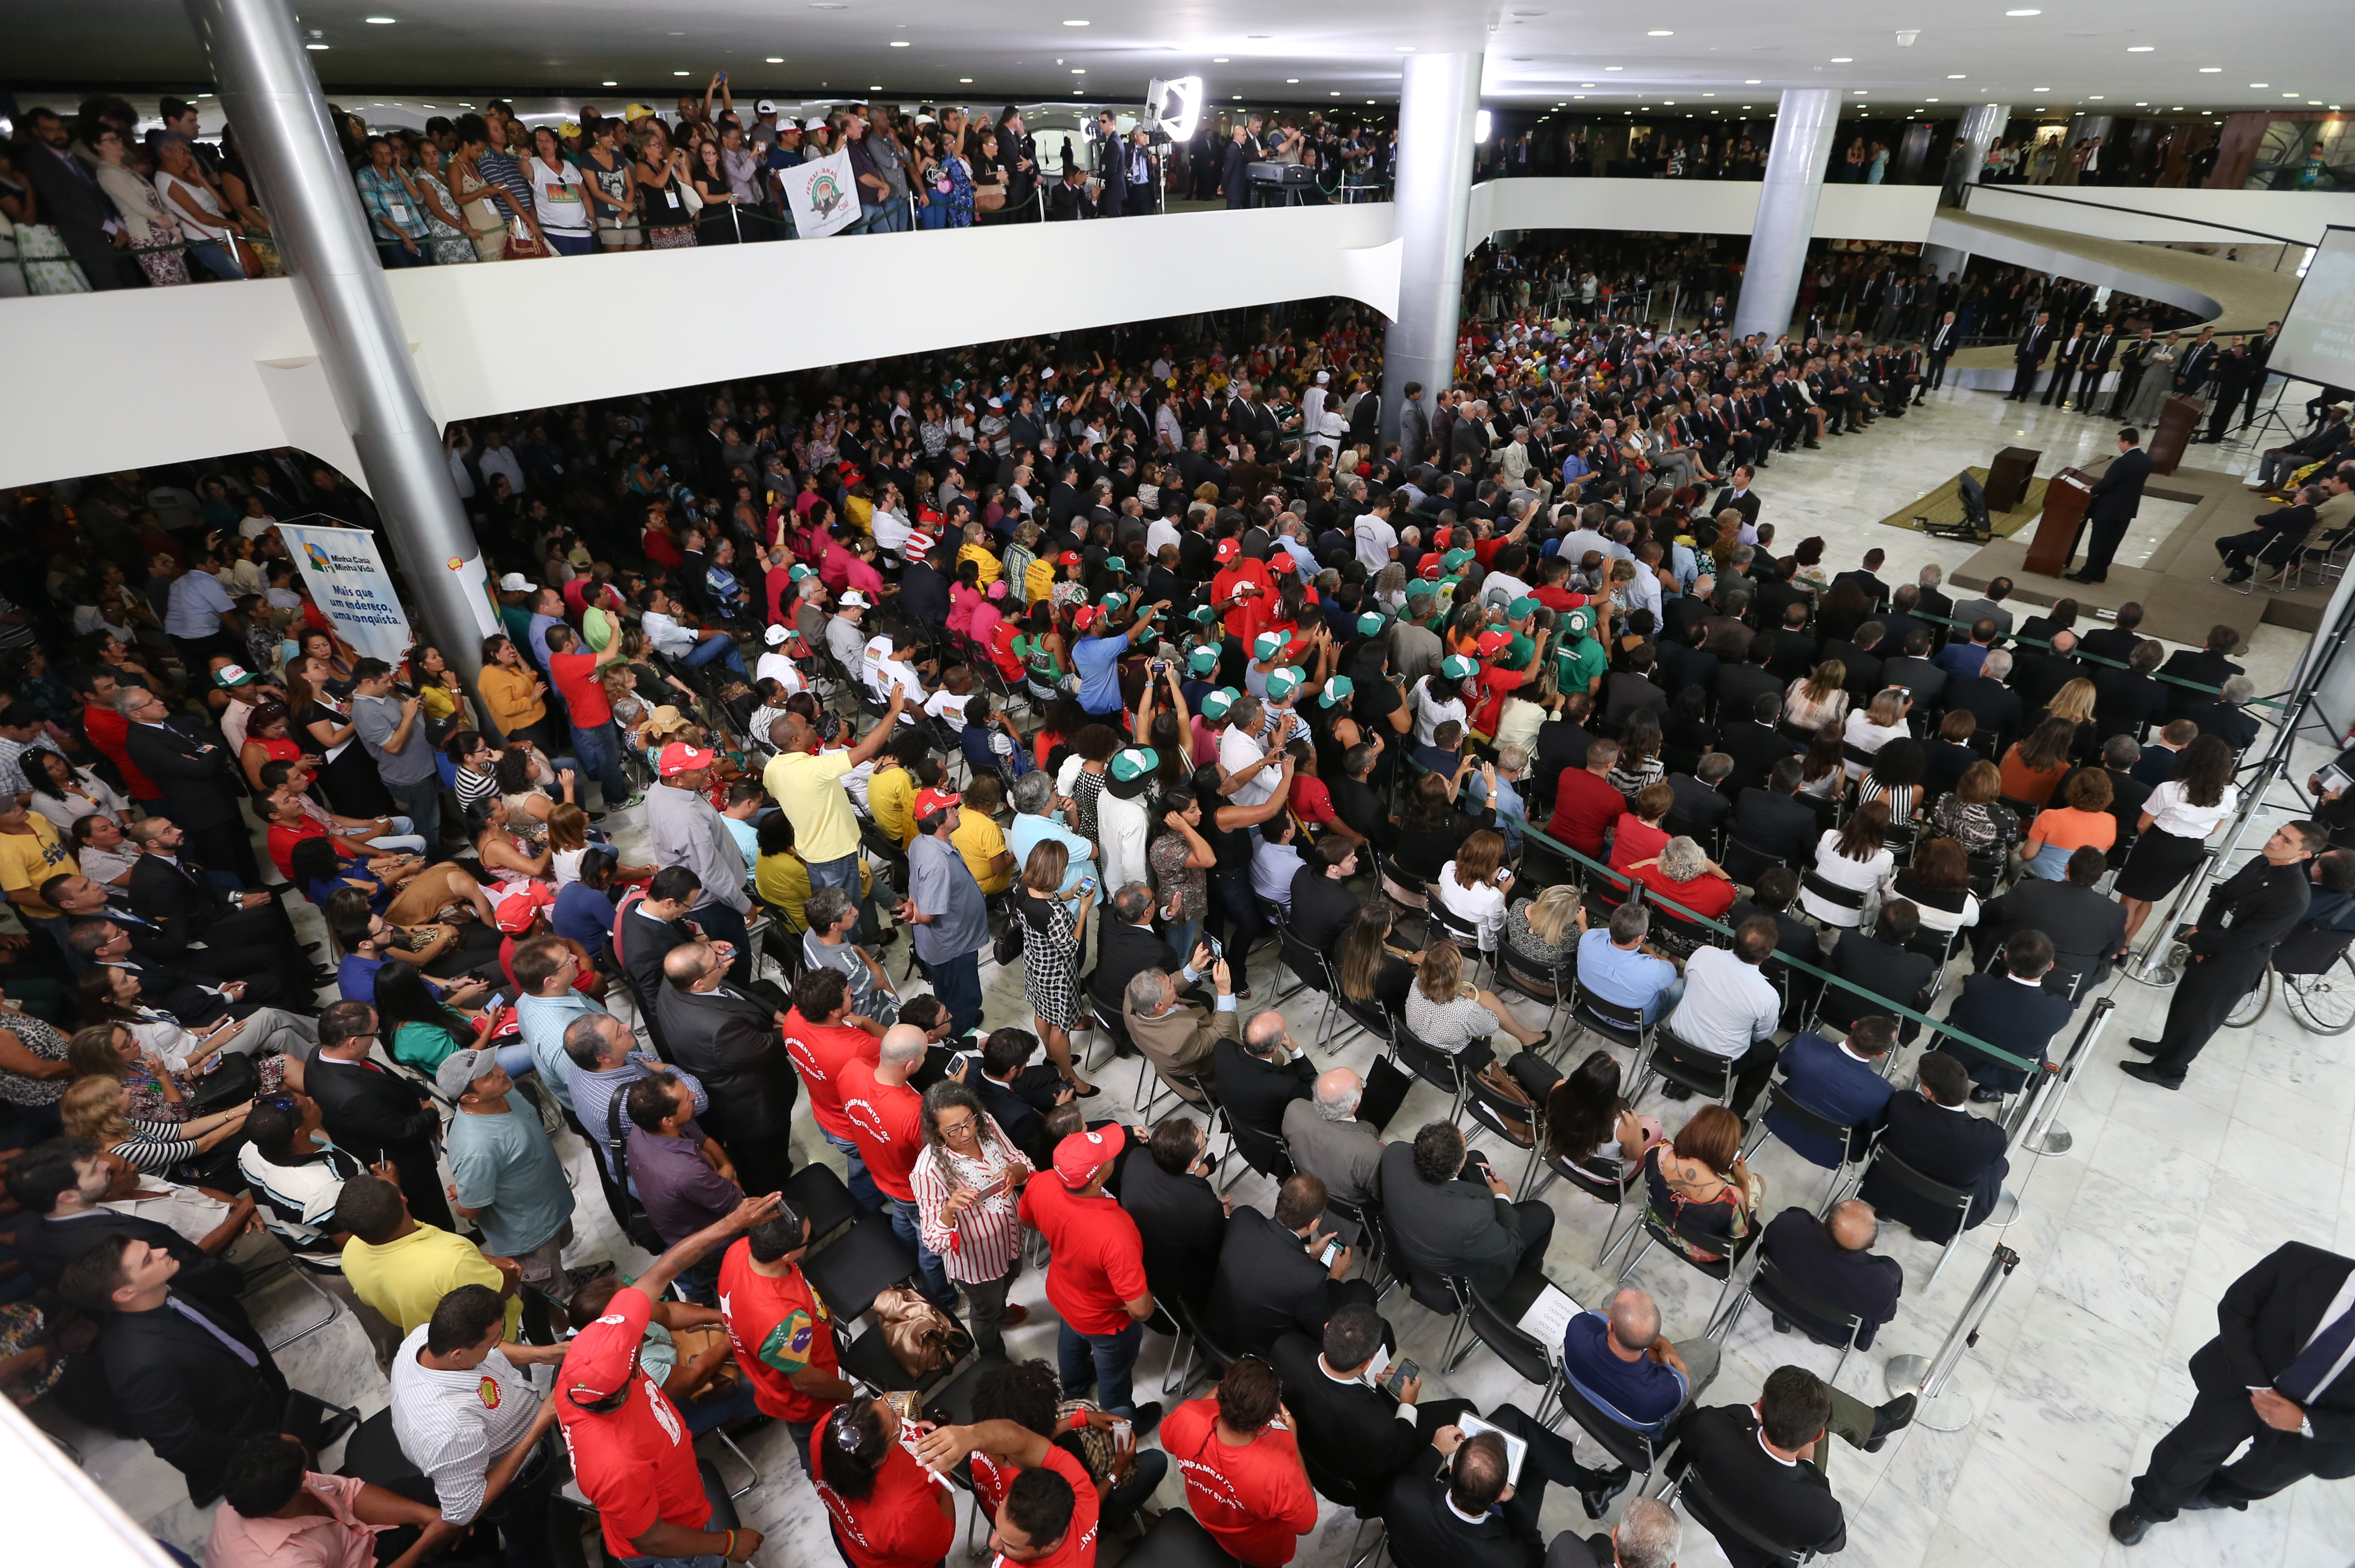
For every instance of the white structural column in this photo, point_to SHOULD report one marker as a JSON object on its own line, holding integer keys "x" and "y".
{"x": 273, "y": 99}
{"x": 1805, "y": 123}
{"x": 1439, "y": 97}
{"x": 1981, "y": 124}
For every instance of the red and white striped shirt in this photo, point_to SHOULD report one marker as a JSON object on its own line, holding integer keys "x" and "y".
{"x": 977, "y": 1245}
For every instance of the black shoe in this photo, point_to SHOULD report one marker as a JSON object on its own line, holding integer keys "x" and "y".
{"x": 1782, "y": 1324}
{"x": 2238, "y": 574}
{"x": 2149, "y": 1073}
{"x": 1888, "y": 1419}
{"x": 1145, "y": 1417}
{"x": 1597, "y": 1499}
{"x": 2081, "y": 577}
{"x": 1674, "y": 1092}
{"x": 2128, "y": 1526}
{"x": 2147, "y": 1047}
{"x": 1983, "y": 1095}
{"x": 1813, "y": 446}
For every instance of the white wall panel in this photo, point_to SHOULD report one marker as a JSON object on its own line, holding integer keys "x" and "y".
{"x": 2180, "y": 216}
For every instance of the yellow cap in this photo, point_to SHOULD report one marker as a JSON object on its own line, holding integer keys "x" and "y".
{"x": 568, "y": 130}
{"x": 635, "y": 113}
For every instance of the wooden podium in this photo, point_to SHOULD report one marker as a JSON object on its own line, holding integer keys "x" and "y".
{"x": 2056, "y": 531}
{"x": 2178, "y": 417}
{"x": 2008, "y": 477}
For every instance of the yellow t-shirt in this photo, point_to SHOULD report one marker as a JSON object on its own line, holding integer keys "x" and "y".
{"x": 979, "y": 554}
{"x": 405, "y": 1279}
{"x": 782, "y": 882}
{"x": 979, "y": 840}
{"x": 807, "y": 786}
{"x": 1039, "y": 580}
{"x": 29, "y": 860}
{"x": 859, "y": 512}
{"x": 891, "y": 801}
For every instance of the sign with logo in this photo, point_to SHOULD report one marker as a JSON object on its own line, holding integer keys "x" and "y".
{"x": 823, "y": 196}
{"x": 348, "y": 582}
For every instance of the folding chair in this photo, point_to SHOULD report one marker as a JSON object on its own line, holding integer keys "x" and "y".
{"x": 1726, "y": 1268}
{"x": 1705, "y": 1073}
{"x": 1638, "y": 1451}
{"x": 1464, "y": 933}
{"x": 1695, "y": 1486}
{"x": 1521, "y": 1126}
{"x": 1434, "y": 1066}
{"x": 1434, "y": 1293}
{"x": 1937, "y": 1192}
{"x": 1805, "y": 1309}
{"x": 1515, "y": 1347}
{"x": 1551, "y": 985}
{"x": 1622, "y": 1026}
{"x": 1781, "y": 1101}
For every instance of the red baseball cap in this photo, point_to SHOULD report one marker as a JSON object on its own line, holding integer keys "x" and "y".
{"x": 931, "y": 800}
{"x": 1068, "y": 558}
{"x": 599, "y": 1362}
{"x": 1084, "y": 617}
{"x": 519, "y": 910}
{"x": 1229, "y": 549}
{"x": 1284, "y": 563}
{"x": 680, "y": 758}
{"x": 1078, "y": 1157}
{"x": 1495, "y": 641}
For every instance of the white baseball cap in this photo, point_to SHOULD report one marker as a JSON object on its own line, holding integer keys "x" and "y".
{"x": 775, "y": 636}
{"x": 813, "y": 123}
{"x": 854, "y": 599}
{"x": 514, "y": 582}
{"x": 766, "y": 106}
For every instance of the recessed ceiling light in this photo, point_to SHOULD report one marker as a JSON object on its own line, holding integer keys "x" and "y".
{"x": 827, "y": 6}
{"x": 2260, "y": 84}
{"x": 1709, "y": 95}
{"x": 1667, "y": 103}
{"x": 874, "y": 87}
{"x": 319, "y": 47}
{"x": 2140, "y": 49}
{"x": 1661, "y": 33}
{"x": 1860, "y": 92}
{"x": 1335, "y": 94}
{"x": 380, "y": 21}
{"x": 1292, "y": 82}
{"x": 678, "y": 73}
{"x": 1076, "y": 23}
{"x": 774, "y": 59}
{"x": 1404, "y": 49}
{"x": 2142, "y": 103}
{"x": 2210, "y": 71}
{"x": 902, "y": 44}
{"x": 1929, "y": 101}
{"x": 1259, "y": 35}
{"x": 1843, "y": 59}
{"x": 1586, "y": 84}
{"x": 965, "y": 81}
{"x": 609, "y": 84}
{"x": 1956, "y": 77}
{"x": 1579, "y": 96}
{"x": 2039, "y": 90}
{"x": 1754, "y": 81}
{"x": 1614, "y": 67}
{"x": 1239, "y": 97}
{"x": 2092, "y": 98}
{"x": 2023, "y": 13}
{"x": 2292, "y": 95}
{"x": 1218, "y": 59}
{"x": 1078, "y": 71}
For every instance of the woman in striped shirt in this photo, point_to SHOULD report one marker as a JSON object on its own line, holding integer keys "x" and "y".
{"x": 967, "y": 1179}
{"x": 100, "y": 1110}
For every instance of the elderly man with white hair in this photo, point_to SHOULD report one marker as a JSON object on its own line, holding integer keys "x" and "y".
{"x": 1327, "y": 1139}
{"x": 1647, "y": 1536}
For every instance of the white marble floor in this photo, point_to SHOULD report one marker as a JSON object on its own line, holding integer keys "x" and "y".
{"x": 2125, "y": 1243}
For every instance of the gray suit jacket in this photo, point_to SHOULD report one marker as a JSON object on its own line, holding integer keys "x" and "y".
{"x": 1457, "y": 1228}
{"x": 1181, "y": 1042}
{"x": 1344, "y": 1155}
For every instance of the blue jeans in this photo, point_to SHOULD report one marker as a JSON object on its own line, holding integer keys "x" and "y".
{"x": 716, "y": 650}
{"x": 422, "y": 804}
{"x": 1103, "y": 1360}
{"x": 599, "y": 752}
{"x": 957, "y": 982}
{"x": 928, "y": 1264}
{"x": 1183, "y": 935}
{"x": 705, "y": 1415}
{"x": 863, "y": 1190}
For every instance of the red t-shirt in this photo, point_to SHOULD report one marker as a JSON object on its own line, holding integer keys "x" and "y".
{"x": 575, "y": 676}
{"x": 820, "y": 1052}
{"x": 1584, "y": 805}
{"x": 1495, "y": 682}
{"x": 1255, "y": 1501}
{"x": 1704, "y": 894}
{"x": 1245, "y": 619}
{"x": 284, "y": 839}
{"x": 899, "y": 1524}
{"x": 1633, "y": 839}
{"x": 1077, "y": 1547}
{"x": 636, "y": 1465}
{"x": 1559, "y": 599}
{"x": 109, "y": 732}
{"x": 1311, "y": 800}
{"x": 777, "y": 1326}
{"x": 887, "y": 1122}
{"x": 1098, "y": 1262}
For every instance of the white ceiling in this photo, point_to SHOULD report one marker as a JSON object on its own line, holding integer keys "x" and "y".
{"x": 1716, "y": 56}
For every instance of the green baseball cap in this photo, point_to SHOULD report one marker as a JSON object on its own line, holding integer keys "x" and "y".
{"x": 1111, "y": 602}
{"x": 1269, "y": 644}
{"x": 1340, "y": 689}
{"x": 1577, "y": 621}
{"x": 1455, "y": 560}
{"x": 1282, "y": 684}
{"x": 1202, "y": 661}
{"x": 1216, "y": 703}
{"x": 1203, "y": 615}
{"x": 1114, "y": 564}
{"x": 1134, "y": 763}
{"x": 1371, "y": 624}
{"x": 1521, "y": 609}
{"x": 797, "y": 573}
{"x": 1456, "y": 667}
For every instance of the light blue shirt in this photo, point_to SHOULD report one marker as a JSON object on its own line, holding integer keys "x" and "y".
{"x": 504, "y": 1166}
{"x": 748, "y": 838}
{"x": 544, "y": 1020}
{"x": 1029, "y": 829}
{"x": 198, "y": 603}
{"x": 1621, "y": 977}
{"x": 1097, "y": 659}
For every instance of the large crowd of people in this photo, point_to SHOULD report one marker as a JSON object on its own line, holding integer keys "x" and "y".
{"x": 1146, "y": 670}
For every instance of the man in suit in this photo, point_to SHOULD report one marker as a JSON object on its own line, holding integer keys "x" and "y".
{"x": 1832, "y": 1259}
{"x": 2261, "y": 354}
{"x": 188, "y": 1371}
{"x": 2227, "y": 718}
{"x": 1740, "y": 685}
{"x": 2278, "y": 463}
{"x": 198, "y": 1001}
{"x": 2127, "y": 702}
{"x": 1867, "y": 578}
{"x": 1882, "y": 963}
{"x": 2065, "y": 360}
{"x": 1755, "y": 1460}
{"x": 2037, "y": 675}
{"x": 1176, "y": 1036}
{"x": 2233, "y": 375}
{"x": 2094, "y": 365}
{"x": 1739, "y": 497}
{"x": 2088, "y": 931}
{"x": 1987, "y": 698}
{"x": 2198, "y": 363}
{"x": 2132, "y": 356}
{"x": 61, "y": 1185}
{"x": 1327, "y": 1140}
{"x": 646, "y": 928}
{"x": 1477, "y": 1516}
{"x": 2009, "y": 1007}
{"x": 1770, "y": 824}
{"x": 1913, "y": 670}
{"x": 1127, "y": 945}
{"x": 1258, "y": 1077}
{"x": 67, "y": 190}
{"x": 2276, "y": 1377}
{"x": 2246, "y": 914}
{"x": 1683, "y": 661}
{"x": 2116, "y": 497}
{"x": 1451, "y": 1217}
{"x": 1841, "y": 1082}
{"x": 1180, "y": 1216}
{"x": 176, "y": 894}
{"x": 1856, "y": 656}
{"x": 2276, "y": 538}
{"x": 2205, "y": 671}
{"x": 1701, "y": 803}
{"x": 735, "y": 1046}
{"x": 1352, "y": 1434}
{"x": 1271, "y": 1279}
{"x": 1323, "y": 907}
{"x": 1016, "y": 1095}
{"x": 1944, "y": 338}
{"x": 375, "y": 1113}
{"x": 194, "y": 776}
{"x": 1932, "y": 1130}
{"x": 2027, "y": 357}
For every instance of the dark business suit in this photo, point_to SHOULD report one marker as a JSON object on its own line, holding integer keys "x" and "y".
{"x": 2026, "y": 358}
{"x": 1269, "y": 1285}
{"x": 642, "y": 942}
{"x": 1349, "y": 1432}
{"x": 197, "y": 793}
{"x": 177, "y": 895}
{"x": 47, "y": 1245}
{"x": 2116, "y": 497}
{"x": 1945, "y": 1144}
{"x": 1184, "y": 1226}
{"x": 2087, "y": 930}
{"x": 1994, "y": 705}
{"x": 379, "y": 1115}
{"x": 2126, "y": 703}
{"x": 68, "y": 192}
{"x": 2263, "y": 1323}
{"x": 1322, "y": 909}
{"x": 2246, "y": 914}
{"x": 184, "y": 996}
{"x": 1254, "y": 1091}
{"x": 2206, "y": 672}
{"x": 1755, "y": 748}
{"x": 2236, "y": 727}
{"x": 190, "y": 1397}
{"x": 1699, "y": 808}
{"x": 1791, "y": 1505}
{"x": 1122, "y": 953}
{"x": 2072, "y": 353}
{"x": 2093, "y": 367}
{"x": 1016, "y": 1117}
{"x": 2020, "y": 1018}
{"x": 1769, "y": 829}
{"x": 732, "y": 1043}
{"x": 1460, "y": 1227}
{"x": 1826, "y": 1078}
{"x": 1425, "y": 1532}
{"x": 1863, "y": 1282}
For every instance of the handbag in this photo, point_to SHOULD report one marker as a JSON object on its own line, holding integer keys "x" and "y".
{"x": 233, "y": 1080}
{"x": 635, "y": 1223}
{"x": 921, "y": 1337}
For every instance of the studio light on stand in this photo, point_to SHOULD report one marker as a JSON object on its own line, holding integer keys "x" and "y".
{"x": 1173, "y": 108}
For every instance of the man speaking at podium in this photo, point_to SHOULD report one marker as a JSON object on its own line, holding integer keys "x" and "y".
{"x": 2117, "y": 496}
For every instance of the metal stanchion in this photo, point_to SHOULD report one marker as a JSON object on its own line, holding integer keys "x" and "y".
{"x": 1927, "y": 1375}
{"x": 2157, "y": 965}
{"x": 2041, "y": 1132}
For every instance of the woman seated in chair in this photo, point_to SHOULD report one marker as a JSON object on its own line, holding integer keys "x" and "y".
{"x": 1817, "y": 698}
{"x": 1431, "y": 828}
{"x": 1700, "y": 1182}
{"x": 1877, "y": 725}
{"x": 1471, "y": 887}
{"x": 1938, "y": 883}
{"x": 1637, "y": 835}
{"x": 1684, "y": 876}
{"x": 2059, "y": 832}
{"x": 2074, "y": 702}
{"x": 508, "y": 848}
{"x": 1823, "y": 773}
{"x": 1855, "y": 858}
{"x": 1449, "y": 1013}
{"x": 98, "y": 1109}
{"x": 1587, "y": 1121}
{"x": 2033, "y": 767}
{"x": 1973, "y": 815}
{"x": 1895, "y": 777}
{"x": 420, "y": 1030}
{"x": 1639, "y": 761}
{"x": 1544, "y": 931}
{"x": 435, "y": 893}
{"x": 1374, "y": 974}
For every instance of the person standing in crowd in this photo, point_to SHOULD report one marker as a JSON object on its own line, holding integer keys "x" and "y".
{"x": 944, "y": 904}
{"x": 395, "y": 737}
{"x": 1095, "y": 1275}
{"x": 686, "y": 831}
{"x": 507, "y": 1176}
{"x": 782, "y": 1333}
{"x": 734, "y": 1044}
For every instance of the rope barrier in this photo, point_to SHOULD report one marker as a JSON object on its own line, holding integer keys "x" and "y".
{"x": 1880, "y": 1003}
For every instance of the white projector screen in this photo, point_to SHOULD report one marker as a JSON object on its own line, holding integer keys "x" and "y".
{"x": 2317, "y": 336}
